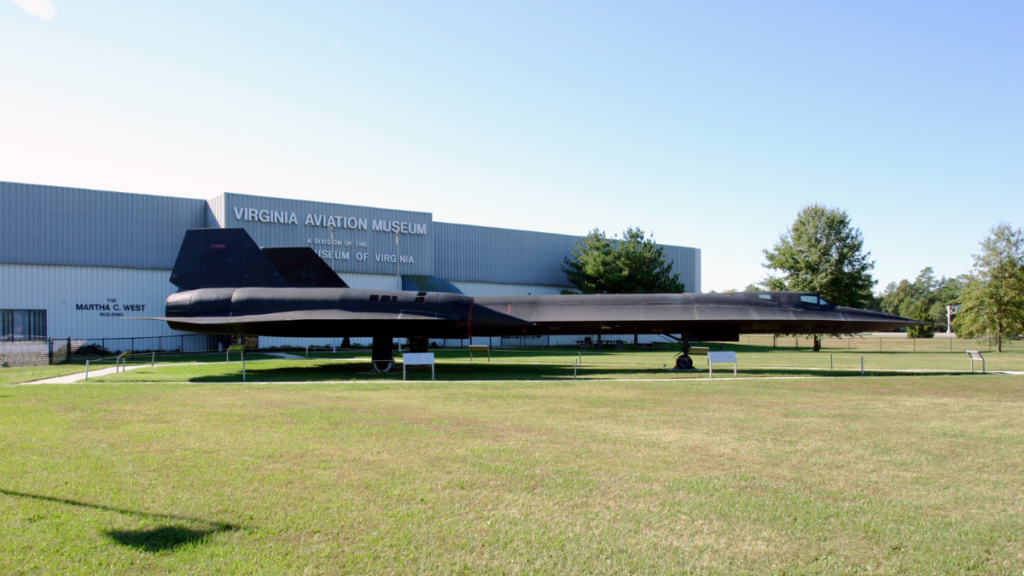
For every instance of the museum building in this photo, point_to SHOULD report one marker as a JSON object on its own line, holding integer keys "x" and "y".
{"x": 79, "y": 264}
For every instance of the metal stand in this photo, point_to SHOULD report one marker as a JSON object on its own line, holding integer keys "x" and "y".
{"x": 975, "y": 355}
{"x": 383, "y": 355}
{"x": 479, "y": 348}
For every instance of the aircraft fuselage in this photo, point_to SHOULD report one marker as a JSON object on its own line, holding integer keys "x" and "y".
{"x": 340, "y": 312}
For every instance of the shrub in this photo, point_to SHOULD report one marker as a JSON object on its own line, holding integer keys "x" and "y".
{"x": 93, "y": 350}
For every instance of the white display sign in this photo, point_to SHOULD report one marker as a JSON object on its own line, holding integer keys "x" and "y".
{"x": 418, "y": 358}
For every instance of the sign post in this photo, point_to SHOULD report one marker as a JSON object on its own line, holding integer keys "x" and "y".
{"x": 975, "y": 355}
{"x": 721, "y": 358}
{"x": 240, "y": 348}
{"x": 418, "y": 359}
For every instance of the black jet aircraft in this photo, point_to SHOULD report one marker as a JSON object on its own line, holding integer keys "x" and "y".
{"x": 228, "y": 285}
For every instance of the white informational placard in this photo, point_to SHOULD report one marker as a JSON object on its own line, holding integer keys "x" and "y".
{"x": 721, "y": 358}
{"x": 418, "y": 359}
{"x": 975, "y": 355}
{"x": 479, "y": 348}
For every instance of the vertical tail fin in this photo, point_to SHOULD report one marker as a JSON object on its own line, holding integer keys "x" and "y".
{"x": 223, "y": 258}
{"x": 303, "y": 268}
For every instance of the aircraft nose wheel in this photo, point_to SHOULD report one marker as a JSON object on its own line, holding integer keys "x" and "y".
{"x": 684, "y": 363}
{"x": 683, "y": 360}
{"x": 384, "y": 366}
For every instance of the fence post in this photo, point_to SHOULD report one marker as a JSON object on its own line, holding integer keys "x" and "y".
{"x": 86, "y": 370}
{"x": 69, "y": 350}
{"x": 861, "y": 365}
{"x": 50, "y": 342}
{"x": 152, "y": 359}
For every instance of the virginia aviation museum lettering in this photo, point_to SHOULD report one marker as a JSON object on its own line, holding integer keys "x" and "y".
{"x": 330, "y": 221}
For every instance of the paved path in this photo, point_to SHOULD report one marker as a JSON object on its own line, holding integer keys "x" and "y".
{"x": 72, "y": 378}
{"x": 284, "y": 355}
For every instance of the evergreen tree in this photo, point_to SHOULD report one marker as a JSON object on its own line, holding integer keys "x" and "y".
{"x": 633, "y": 265}
{"x": 924, "y": 299}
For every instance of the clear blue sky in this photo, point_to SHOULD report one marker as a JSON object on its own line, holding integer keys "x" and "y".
{"x": 709, "y": 123}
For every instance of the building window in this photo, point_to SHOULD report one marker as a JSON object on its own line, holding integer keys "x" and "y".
{"x": 23, "y": 324}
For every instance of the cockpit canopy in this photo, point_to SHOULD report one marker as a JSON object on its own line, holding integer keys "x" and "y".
{"x": 795, "y": 299}
{"x": 814, "y": 299}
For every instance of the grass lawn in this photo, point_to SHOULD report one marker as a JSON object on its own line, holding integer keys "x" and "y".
{"x": 19, "y": 374}
{"x": 888, "y": 475}
{"x": 536, "y": 364}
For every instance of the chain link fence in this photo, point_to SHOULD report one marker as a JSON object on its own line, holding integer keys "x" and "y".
{"x": 883, "y": 343}
{"x": 43, "y": 352}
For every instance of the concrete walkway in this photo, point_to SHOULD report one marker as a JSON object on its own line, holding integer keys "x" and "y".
{"x": 72, "y": 378}
{"x": 95, "y": 373}
{"x": 284, "y": 355}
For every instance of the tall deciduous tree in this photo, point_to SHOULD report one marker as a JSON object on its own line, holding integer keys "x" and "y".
{"x": 633, "y": 265}
{"x": 992, "y": 302}
{"x": 822, "y": 253}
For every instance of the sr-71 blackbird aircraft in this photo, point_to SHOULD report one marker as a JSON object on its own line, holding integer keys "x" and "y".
{"x": 228, "y": 285}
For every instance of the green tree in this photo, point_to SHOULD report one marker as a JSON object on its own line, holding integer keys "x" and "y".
{"x": 918, "y": 310}
{"x": 824, "y": 254}
{"x": 924, "y": 299}
{"x": 593, "y": 263}
{"x": 992, "y": 302}
{"x": 633, "y": 265}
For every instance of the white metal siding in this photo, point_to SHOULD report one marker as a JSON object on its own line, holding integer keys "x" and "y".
{"x": 215, "y": 212}
{"x": 76, "y": 227}
{"x": 58, "y": 289}
{"x": 489, "y": 289}
{"x": 465, "y": 253}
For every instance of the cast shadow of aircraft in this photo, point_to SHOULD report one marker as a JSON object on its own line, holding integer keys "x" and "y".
{"x": 175, "y": 533}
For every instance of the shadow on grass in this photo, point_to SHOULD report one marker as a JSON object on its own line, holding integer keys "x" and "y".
{"x": 328, "y": 372}
{"x": 167, "y": 537}
{"x": 161, "y": 538}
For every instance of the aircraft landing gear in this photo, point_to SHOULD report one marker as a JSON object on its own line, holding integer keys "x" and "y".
{"x": 383, "y": 357}
{"x": 683, "y": 360}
